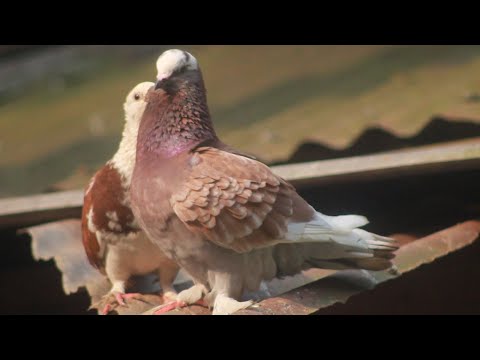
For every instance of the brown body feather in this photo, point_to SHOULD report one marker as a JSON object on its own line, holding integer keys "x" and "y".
{"x": 105, "y": 195}
{"x": 236, "y": 202}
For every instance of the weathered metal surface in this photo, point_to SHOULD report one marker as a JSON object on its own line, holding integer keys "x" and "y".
{"x": 62, "y": 242}
{"x": 436, "y": 245}
{"x": 311, "y": 297}
{"x": 342, "y": 285}
{"x": 465, "y": 154}
{"x": 305, "y": 293}
{"x": 273, "y": 288}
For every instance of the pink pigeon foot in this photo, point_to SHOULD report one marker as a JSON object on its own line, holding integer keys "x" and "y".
{"x": 115, "y": 299}
{"x": 121, "y": 297}
{"x": 175, "y": 305}
{"x": 106, "y": 309}
{"x": 169, "y": 296}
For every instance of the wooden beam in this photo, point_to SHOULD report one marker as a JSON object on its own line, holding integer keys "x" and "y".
{"x": 29, "y": 210}
{"x": 445, "y": 157}
{"x": 451, "y": 156}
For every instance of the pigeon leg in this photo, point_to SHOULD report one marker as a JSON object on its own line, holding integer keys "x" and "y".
{"x": 122, "y": 297}
{"x": 166, "y": 276}
{"x": 193, "y": 294}
{"x": 227, "y": 287}
{"x": 190, "y": 296}
{"x": 162, "y": 309}
{"x": 169, "y": 296}
{"x": 116, "y": 297}
{"x": 225, "y": 305}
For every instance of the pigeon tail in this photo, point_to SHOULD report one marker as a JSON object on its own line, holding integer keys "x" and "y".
{"x": 336, "y": 242}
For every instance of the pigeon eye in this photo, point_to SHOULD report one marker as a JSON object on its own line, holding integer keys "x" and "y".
{"x": 137, "y": 97}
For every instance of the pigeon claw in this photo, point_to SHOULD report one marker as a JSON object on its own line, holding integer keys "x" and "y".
{"x": 115, "y": 299}
{"x": 174, "y": 305}
{"x": 120, "y": 298}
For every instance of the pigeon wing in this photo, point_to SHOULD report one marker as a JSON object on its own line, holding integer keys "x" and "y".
{"x": 235, "y": 201}
{"x": 89, "y": 237}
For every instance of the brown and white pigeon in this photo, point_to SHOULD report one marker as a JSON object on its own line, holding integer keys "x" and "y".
{"x": 226, "y": 218}
{"x": 112, "y": 239}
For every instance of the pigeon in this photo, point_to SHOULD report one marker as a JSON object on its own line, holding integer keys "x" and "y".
{"x": 112, "y": 239}
{"x": 223, "y": 216}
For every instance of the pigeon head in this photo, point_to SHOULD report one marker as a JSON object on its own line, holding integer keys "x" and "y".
{"x": 176, "y": 70}
{"x": 173, "y": 62}
{"x": 176, "y": 118}
{"x": 134, "y": 106}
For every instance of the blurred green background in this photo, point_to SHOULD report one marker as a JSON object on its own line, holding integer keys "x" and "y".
{"x": 61, "y": 106}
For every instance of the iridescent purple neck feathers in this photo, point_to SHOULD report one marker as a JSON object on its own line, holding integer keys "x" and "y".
{"x": 176, "y": 118}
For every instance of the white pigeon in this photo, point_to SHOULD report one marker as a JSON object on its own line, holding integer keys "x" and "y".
{"x": 112, "y": 239}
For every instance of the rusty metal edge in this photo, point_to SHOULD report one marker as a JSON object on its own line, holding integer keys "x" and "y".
{"x": 338, "y": 288}
{"x": 342, "y": 285}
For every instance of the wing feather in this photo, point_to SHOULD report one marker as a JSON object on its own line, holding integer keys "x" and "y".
{"x": 235, "y": 201}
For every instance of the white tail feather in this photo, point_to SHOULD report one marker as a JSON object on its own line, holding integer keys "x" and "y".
{"x": 346, "y": 222}
{"x": 340, "y": 237}
{"x": 376, "y": 242}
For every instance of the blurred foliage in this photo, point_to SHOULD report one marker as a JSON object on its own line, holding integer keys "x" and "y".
{"x": 66, "y": 116}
